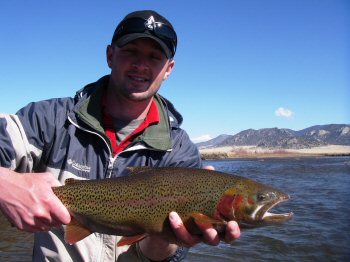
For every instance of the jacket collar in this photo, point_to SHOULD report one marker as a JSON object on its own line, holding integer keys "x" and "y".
{"x": 88, "y": 110}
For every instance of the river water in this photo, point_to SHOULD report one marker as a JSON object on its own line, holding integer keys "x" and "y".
{"x": 320, "y": 230}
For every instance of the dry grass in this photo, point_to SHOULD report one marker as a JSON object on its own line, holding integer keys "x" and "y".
{"x": 258, "y": 152}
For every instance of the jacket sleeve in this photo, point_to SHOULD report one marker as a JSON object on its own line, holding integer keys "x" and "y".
{"x": 25, "y": 135}
{"x": 15, "y": 150}
{"x": 184, "y": 152}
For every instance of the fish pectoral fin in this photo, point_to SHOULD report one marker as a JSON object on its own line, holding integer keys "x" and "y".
{"x": 75, "y": 232}
{"x": 202, "y": 219}
{"x": 130, "y": 240}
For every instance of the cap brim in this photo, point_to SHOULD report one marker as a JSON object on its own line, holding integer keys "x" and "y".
{"x": 133, "y": 36}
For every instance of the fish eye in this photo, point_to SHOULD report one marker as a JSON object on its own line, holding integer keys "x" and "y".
{"x": 262, "y": 197}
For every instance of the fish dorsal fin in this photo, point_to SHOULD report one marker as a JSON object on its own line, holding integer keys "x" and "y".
{"x": 70, "y": 181}
{"x": 130, "y": 240}
{"x": 137, "y": 170}
{"x": 75, "y": 232}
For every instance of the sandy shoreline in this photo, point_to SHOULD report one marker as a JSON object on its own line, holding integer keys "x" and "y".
{"x": 259, "y": 152}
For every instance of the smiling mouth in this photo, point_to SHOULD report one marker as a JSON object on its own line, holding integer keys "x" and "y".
{"x": 138, "y": 79}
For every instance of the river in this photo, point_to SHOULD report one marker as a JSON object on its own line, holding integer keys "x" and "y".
{"x": 320, "y": 230}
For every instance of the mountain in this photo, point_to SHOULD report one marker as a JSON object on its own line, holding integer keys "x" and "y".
{"x": 212, "y": 142}
{"x": 320, "y": 135}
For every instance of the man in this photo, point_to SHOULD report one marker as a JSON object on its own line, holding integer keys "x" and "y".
{"x": 116, "y": 122}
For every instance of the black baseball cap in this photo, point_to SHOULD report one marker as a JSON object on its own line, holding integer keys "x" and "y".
{"x": 150, "y": 24}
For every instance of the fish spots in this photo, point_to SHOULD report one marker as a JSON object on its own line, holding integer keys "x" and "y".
{"x": 143, "y": 200}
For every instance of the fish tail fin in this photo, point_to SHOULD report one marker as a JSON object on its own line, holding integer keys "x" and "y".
{"x": 75, "y": 232}
{"x": 130, "y": 240}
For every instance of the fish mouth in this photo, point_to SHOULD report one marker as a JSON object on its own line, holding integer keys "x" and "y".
{"x": 266, "y": 217}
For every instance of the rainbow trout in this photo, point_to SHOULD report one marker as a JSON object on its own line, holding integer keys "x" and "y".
{"x": 138, "y": 205}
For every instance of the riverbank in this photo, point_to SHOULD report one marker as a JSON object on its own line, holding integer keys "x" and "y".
{"x": 232, "y": 152}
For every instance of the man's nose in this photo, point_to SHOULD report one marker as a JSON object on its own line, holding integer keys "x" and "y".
{"x": 141, "y": 62}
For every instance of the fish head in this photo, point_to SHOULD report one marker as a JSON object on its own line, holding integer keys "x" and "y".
{"x": 249, "y": 204}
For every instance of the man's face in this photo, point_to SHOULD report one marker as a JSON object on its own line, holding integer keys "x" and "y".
{"x": 138, "y": 69}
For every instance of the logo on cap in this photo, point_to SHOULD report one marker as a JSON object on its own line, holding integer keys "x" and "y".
{"x": 150, "y": 23}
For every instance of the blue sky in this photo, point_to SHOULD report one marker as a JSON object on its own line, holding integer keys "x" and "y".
{"x": 239, "y": 65}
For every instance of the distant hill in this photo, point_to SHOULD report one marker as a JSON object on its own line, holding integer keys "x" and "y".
{"x": 320, "y": 135}
{"x": 213, "y": 142}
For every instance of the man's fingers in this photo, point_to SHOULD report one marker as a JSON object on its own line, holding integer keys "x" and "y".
{"x": 232, "y": 231}
{"x": 210, "y": 235}
{"x": 181, "y": 232}
{"x": 59, "y": 213}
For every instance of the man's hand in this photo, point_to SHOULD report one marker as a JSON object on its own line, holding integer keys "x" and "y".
{"x": 210, "y": 235}
{"x": 157, "y": 248}
{"x": 28, "y": 201}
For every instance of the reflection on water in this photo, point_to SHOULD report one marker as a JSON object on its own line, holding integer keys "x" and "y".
{"x": 15, "y": 245}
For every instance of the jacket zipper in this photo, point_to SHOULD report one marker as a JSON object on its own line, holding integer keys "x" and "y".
{"x": 111, "y": 158}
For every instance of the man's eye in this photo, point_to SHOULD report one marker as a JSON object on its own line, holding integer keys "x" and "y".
{"x": 156, "y": 57}
{"x": 129, "y": 51}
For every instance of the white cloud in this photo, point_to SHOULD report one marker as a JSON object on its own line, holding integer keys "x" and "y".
{"x": 202, "y": 138}
{"x": 284, "y": 112}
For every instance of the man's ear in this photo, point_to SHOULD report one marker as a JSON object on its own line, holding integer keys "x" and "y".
{"x": 109, "y": 55}
{"x": 169, "y": 69}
